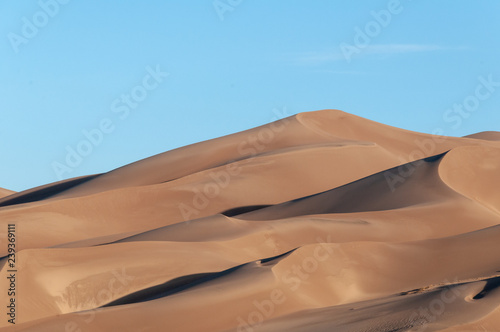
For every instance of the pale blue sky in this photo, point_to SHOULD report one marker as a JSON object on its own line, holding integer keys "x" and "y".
{"x": 229, "y": 74}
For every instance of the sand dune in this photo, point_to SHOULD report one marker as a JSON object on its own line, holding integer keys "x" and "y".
{"x": 323, "y": 221}
{"x": 486, "y": 135}
{"x": 5, "y": 192}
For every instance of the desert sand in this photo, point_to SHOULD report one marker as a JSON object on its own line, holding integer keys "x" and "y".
{"x": 322, "y": 221}
{"x": 5, "y": 192}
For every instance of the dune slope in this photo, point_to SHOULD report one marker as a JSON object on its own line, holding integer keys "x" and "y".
{"x": 5, "y": 192}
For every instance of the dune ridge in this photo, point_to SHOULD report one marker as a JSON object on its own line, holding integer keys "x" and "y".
{"x": 322, "y": 221}
{"x": 5, "y": 192}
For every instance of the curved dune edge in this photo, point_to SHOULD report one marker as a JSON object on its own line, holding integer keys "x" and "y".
{"x": 330, "y": 222}
{"x": 486, "y": 135}
{"x": 6, "y": 192}
{"x": 475, "y": 173}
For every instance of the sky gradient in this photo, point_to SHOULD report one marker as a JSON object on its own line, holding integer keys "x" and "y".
{"x": 156, "y": 75}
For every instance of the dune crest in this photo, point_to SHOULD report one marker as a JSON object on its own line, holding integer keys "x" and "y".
{"x": 486, "y": 135}
{"x": 475, "y": 173}
{"x": 5, "y": 192}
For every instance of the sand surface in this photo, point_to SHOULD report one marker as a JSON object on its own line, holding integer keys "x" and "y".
{"x": 5, "y": 192}
{"x": 323, "y": 221}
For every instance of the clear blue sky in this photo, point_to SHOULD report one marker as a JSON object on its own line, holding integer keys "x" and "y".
{"x": 64, "y": 69}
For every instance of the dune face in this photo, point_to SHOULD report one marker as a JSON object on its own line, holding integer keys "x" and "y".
{"x": 486, "y": 135}
{"x": 322, "y": 221}
{"x": 5, "y": 192}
